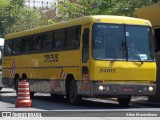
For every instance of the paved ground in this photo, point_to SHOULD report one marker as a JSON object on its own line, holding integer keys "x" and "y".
{"x": 95, "y": 109}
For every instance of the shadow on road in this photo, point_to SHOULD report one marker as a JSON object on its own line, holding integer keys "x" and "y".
{"x": 49, "y": 103}
{"x": 63, "y": 104}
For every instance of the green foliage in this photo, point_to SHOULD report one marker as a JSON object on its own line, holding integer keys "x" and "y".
{"x": 15, "y": 17}
{"x": 122, "y": 7}
{"x": 9, "y": 14}
{"x": 27, "y": 19}
{"x": 70, "y": 10}
{"x": 3, "y": 3}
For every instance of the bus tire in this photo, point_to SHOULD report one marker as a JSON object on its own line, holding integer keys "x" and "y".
{"x": 74, "y": 98}
{"x": 0, "y": 88}
{"x": 124, "y": 101}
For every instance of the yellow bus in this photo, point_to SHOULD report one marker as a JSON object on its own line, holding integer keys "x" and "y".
{"x": 92, "y": 56}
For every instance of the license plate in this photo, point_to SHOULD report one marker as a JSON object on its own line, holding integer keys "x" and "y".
{"x": 126, "y": 89}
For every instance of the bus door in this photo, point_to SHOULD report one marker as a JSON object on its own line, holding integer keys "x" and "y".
{"x": 85, "y": 62}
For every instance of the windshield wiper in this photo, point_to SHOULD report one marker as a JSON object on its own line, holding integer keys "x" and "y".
{"x": 137, "y": 56}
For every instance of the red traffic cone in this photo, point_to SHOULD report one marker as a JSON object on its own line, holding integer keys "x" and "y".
{"x": 23, "y": 95}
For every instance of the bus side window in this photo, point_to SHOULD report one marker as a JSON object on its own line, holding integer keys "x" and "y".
{"x": 37, "y": 43}
{"x": 29, "y": 44}
{"x": 8, "y": 47}
{"x": 85, "y": 50}
{"x": 59, "y": 39}
{"x": 23, "y": 44}
{"x": 73, "y": 37}
{"x": 47, "y": 41}
{"x": 26, "y": 43}
{"x": 17, "y": 47}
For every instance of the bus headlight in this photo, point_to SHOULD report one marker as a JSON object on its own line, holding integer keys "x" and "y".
{"x": 150, "y": 88}
{"x": 101, "y": 88}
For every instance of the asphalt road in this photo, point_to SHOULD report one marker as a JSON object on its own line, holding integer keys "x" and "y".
{"x": 90, "y": 107}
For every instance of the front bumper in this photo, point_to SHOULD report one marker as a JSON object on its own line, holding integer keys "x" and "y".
{"x": 123, "y": 89}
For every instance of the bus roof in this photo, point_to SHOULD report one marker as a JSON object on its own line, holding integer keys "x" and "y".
{"x": 151, "y": 13}
{"x": 86, "y": 20}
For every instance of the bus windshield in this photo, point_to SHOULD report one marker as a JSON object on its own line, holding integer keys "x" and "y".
{"x": 122, "y": 42}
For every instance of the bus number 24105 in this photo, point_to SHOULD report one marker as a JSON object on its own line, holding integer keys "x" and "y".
{"x": 107, "y": 70}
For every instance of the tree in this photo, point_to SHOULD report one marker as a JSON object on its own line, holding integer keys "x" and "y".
{"x": 3, "y": 3}
{"x": 14, "y": 17}
{"x": 27, "y": 19}
{"x": 9, "y": 14}
{"x": 155, "y": 1}
{"x": 122, "y": 7}
{"x": 70, "y": 10}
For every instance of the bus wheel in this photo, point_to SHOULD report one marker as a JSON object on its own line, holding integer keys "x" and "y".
{"x": 0, "y": 88}
{"x": 74, "y": 98}
{"x": 124, "y": 101}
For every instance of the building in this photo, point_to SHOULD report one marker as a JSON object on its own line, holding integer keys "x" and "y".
{"x": 43, "y": 4}
{"x": 151, "y": 12}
